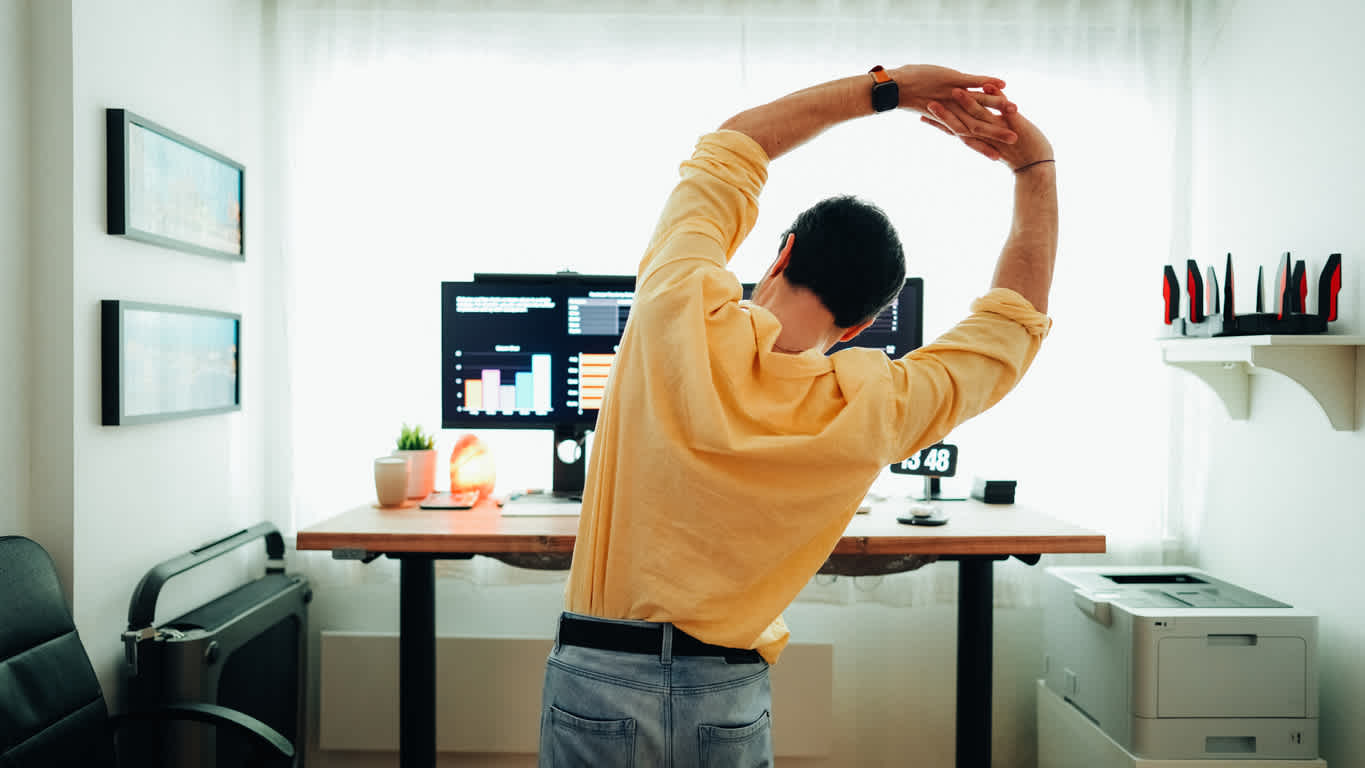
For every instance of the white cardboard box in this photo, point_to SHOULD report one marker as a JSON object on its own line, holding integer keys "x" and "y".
{"x": 1067, "y": 739}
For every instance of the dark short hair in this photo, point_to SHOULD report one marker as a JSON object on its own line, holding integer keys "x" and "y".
{"x": 848, "y": 254}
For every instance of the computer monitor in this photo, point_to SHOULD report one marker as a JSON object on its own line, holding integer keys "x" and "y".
{"x": 521, "y": 351}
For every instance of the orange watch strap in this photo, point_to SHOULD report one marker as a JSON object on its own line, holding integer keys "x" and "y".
{"x": 885, "y": 92}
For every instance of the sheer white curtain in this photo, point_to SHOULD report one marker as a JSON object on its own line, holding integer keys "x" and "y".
{"x": 423, "y": 141}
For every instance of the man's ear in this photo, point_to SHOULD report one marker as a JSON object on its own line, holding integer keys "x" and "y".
{"x": 784, "y": 256}
{"x": 857, "y": 329}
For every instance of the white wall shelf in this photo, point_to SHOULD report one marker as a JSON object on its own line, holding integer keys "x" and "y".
{"x": 1324, "y": 365}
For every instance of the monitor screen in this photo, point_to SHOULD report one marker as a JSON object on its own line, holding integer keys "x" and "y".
{"x": 529, "y": 350}
{"x": 534, "y": 351}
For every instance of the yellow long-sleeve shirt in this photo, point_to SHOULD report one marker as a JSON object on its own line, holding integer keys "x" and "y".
{"x": 722, "y": 472}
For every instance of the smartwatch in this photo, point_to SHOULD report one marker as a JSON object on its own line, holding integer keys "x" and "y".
{"x": 885, "y": 94}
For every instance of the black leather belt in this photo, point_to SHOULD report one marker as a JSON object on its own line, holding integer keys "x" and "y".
{"x": 632, "y": 638}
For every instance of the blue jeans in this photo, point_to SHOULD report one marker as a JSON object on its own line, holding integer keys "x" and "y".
{"x": 605, "y": 709}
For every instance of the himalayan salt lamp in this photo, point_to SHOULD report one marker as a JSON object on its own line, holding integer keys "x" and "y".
{"x": 471, "y": 467}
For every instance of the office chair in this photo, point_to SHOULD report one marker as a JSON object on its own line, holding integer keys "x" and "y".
{"x": 52, "y": 712}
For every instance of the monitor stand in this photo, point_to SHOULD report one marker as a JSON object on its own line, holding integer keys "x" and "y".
{"x": 933, "y": 491}
{"x": 569, "y": 461}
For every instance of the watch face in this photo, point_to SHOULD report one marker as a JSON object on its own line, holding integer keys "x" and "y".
{"x": 885, "y": 96}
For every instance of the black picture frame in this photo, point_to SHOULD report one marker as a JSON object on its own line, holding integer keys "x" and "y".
{"x": 161, "y": 362}
{"x": 166, "y": 189}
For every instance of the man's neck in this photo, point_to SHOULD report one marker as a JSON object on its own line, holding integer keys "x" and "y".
{"x": 806, "y": 324}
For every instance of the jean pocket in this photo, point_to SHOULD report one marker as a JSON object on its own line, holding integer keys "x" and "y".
{"x": 570, "y": 741}
{"x": 744, "y": 746}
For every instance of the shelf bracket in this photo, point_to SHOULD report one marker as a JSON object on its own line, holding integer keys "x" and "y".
{"x": 1327, "y": 372}
{"x": 1228, "y": 380}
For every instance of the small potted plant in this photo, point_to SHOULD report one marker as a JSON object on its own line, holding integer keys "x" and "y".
{"x": 420, "y": 451}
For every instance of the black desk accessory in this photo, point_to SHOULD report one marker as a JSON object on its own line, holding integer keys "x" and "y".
{"x": 448, "y": 500}
{"x": 931, "y": 519}
{"x": 923, "y": 513}
{"x": 993, "y": 491}
{"x": 936, "y": 461}
{"x": 1211, "y": 310}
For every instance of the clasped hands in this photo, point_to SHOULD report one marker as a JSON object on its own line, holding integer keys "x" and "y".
{"x": 973, "y": 108}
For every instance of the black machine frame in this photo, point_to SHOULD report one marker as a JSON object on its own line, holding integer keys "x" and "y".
{"x": 246, "y": 649}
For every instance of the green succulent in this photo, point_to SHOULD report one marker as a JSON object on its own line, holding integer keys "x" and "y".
{"x": 412, "y": 439}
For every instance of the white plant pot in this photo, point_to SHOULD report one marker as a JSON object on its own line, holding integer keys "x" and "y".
{"x": 422, "y": 474}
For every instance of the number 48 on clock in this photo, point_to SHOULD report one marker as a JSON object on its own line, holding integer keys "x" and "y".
{"x": 938, "y": 460}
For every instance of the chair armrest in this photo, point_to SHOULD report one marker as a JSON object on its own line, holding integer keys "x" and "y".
{"x": 213, "y": 715}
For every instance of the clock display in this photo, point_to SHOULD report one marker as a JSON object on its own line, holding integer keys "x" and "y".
{"x": 938, "y": 460}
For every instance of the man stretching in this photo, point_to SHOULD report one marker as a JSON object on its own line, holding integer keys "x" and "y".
{"x": 731, "y": 452}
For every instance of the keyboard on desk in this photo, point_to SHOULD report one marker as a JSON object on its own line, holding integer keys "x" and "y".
{"x": 541, "y": 505}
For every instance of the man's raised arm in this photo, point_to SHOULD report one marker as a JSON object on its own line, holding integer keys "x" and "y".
{"x": 785, "y": 124}
{"x": 1026, "y": 261}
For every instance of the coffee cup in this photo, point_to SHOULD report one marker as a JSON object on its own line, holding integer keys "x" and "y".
{"x": 391, "y": 480}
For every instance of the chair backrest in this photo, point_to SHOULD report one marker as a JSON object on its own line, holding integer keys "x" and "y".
{"x": 52, "y": 710}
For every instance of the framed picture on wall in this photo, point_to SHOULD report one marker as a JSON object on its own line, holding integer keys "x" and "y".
{"x": 161, "y": 362}
{"x": 168, "y": 190}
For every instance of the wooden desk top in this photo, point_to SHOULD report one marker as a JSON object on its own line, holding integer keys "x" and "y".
{"x": 973, "y": 528}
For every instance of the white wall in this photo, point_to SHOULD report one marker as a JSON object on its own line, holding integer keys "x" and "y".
{"x": 14, "y": 261}
{"x": 115, "y": 501}
{"x": 50, "y": 475}
{"x": 1280, "y": 168}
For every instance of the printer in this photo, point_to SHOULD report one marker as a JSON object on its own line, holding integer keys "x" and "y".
{"x": 1174, "y": 664}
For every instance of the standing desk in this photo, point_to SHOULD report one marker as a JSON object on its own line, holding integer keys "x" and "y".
{"x": 976, "y": 536}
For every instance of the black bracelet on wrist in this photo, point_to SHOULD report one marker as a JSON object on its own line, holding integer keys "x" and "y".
{"x": 1027, "y": 166}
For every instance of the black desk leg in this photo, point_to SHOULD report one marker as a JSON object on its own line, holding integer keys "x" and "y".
{"x": 975, "y": 596}
{"x": 417, "y": 663}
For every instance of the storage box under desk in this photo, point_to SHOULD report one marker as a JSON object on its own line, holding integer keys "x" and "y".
{"x": 1067, "y": 739}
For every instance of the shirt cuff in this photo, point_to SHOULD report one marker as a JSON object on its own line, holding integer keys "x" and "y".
{"x": 740, "y": 143}
{"x": 733, "y": 157}
{"x": 1012, "y": 306}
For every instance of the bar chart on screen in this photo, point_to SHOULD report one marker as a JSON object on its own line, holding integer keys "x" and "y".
{"x": 505, "y": 382}
{"x": 599, "y": 314}
{"x": 588, "y": 373}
